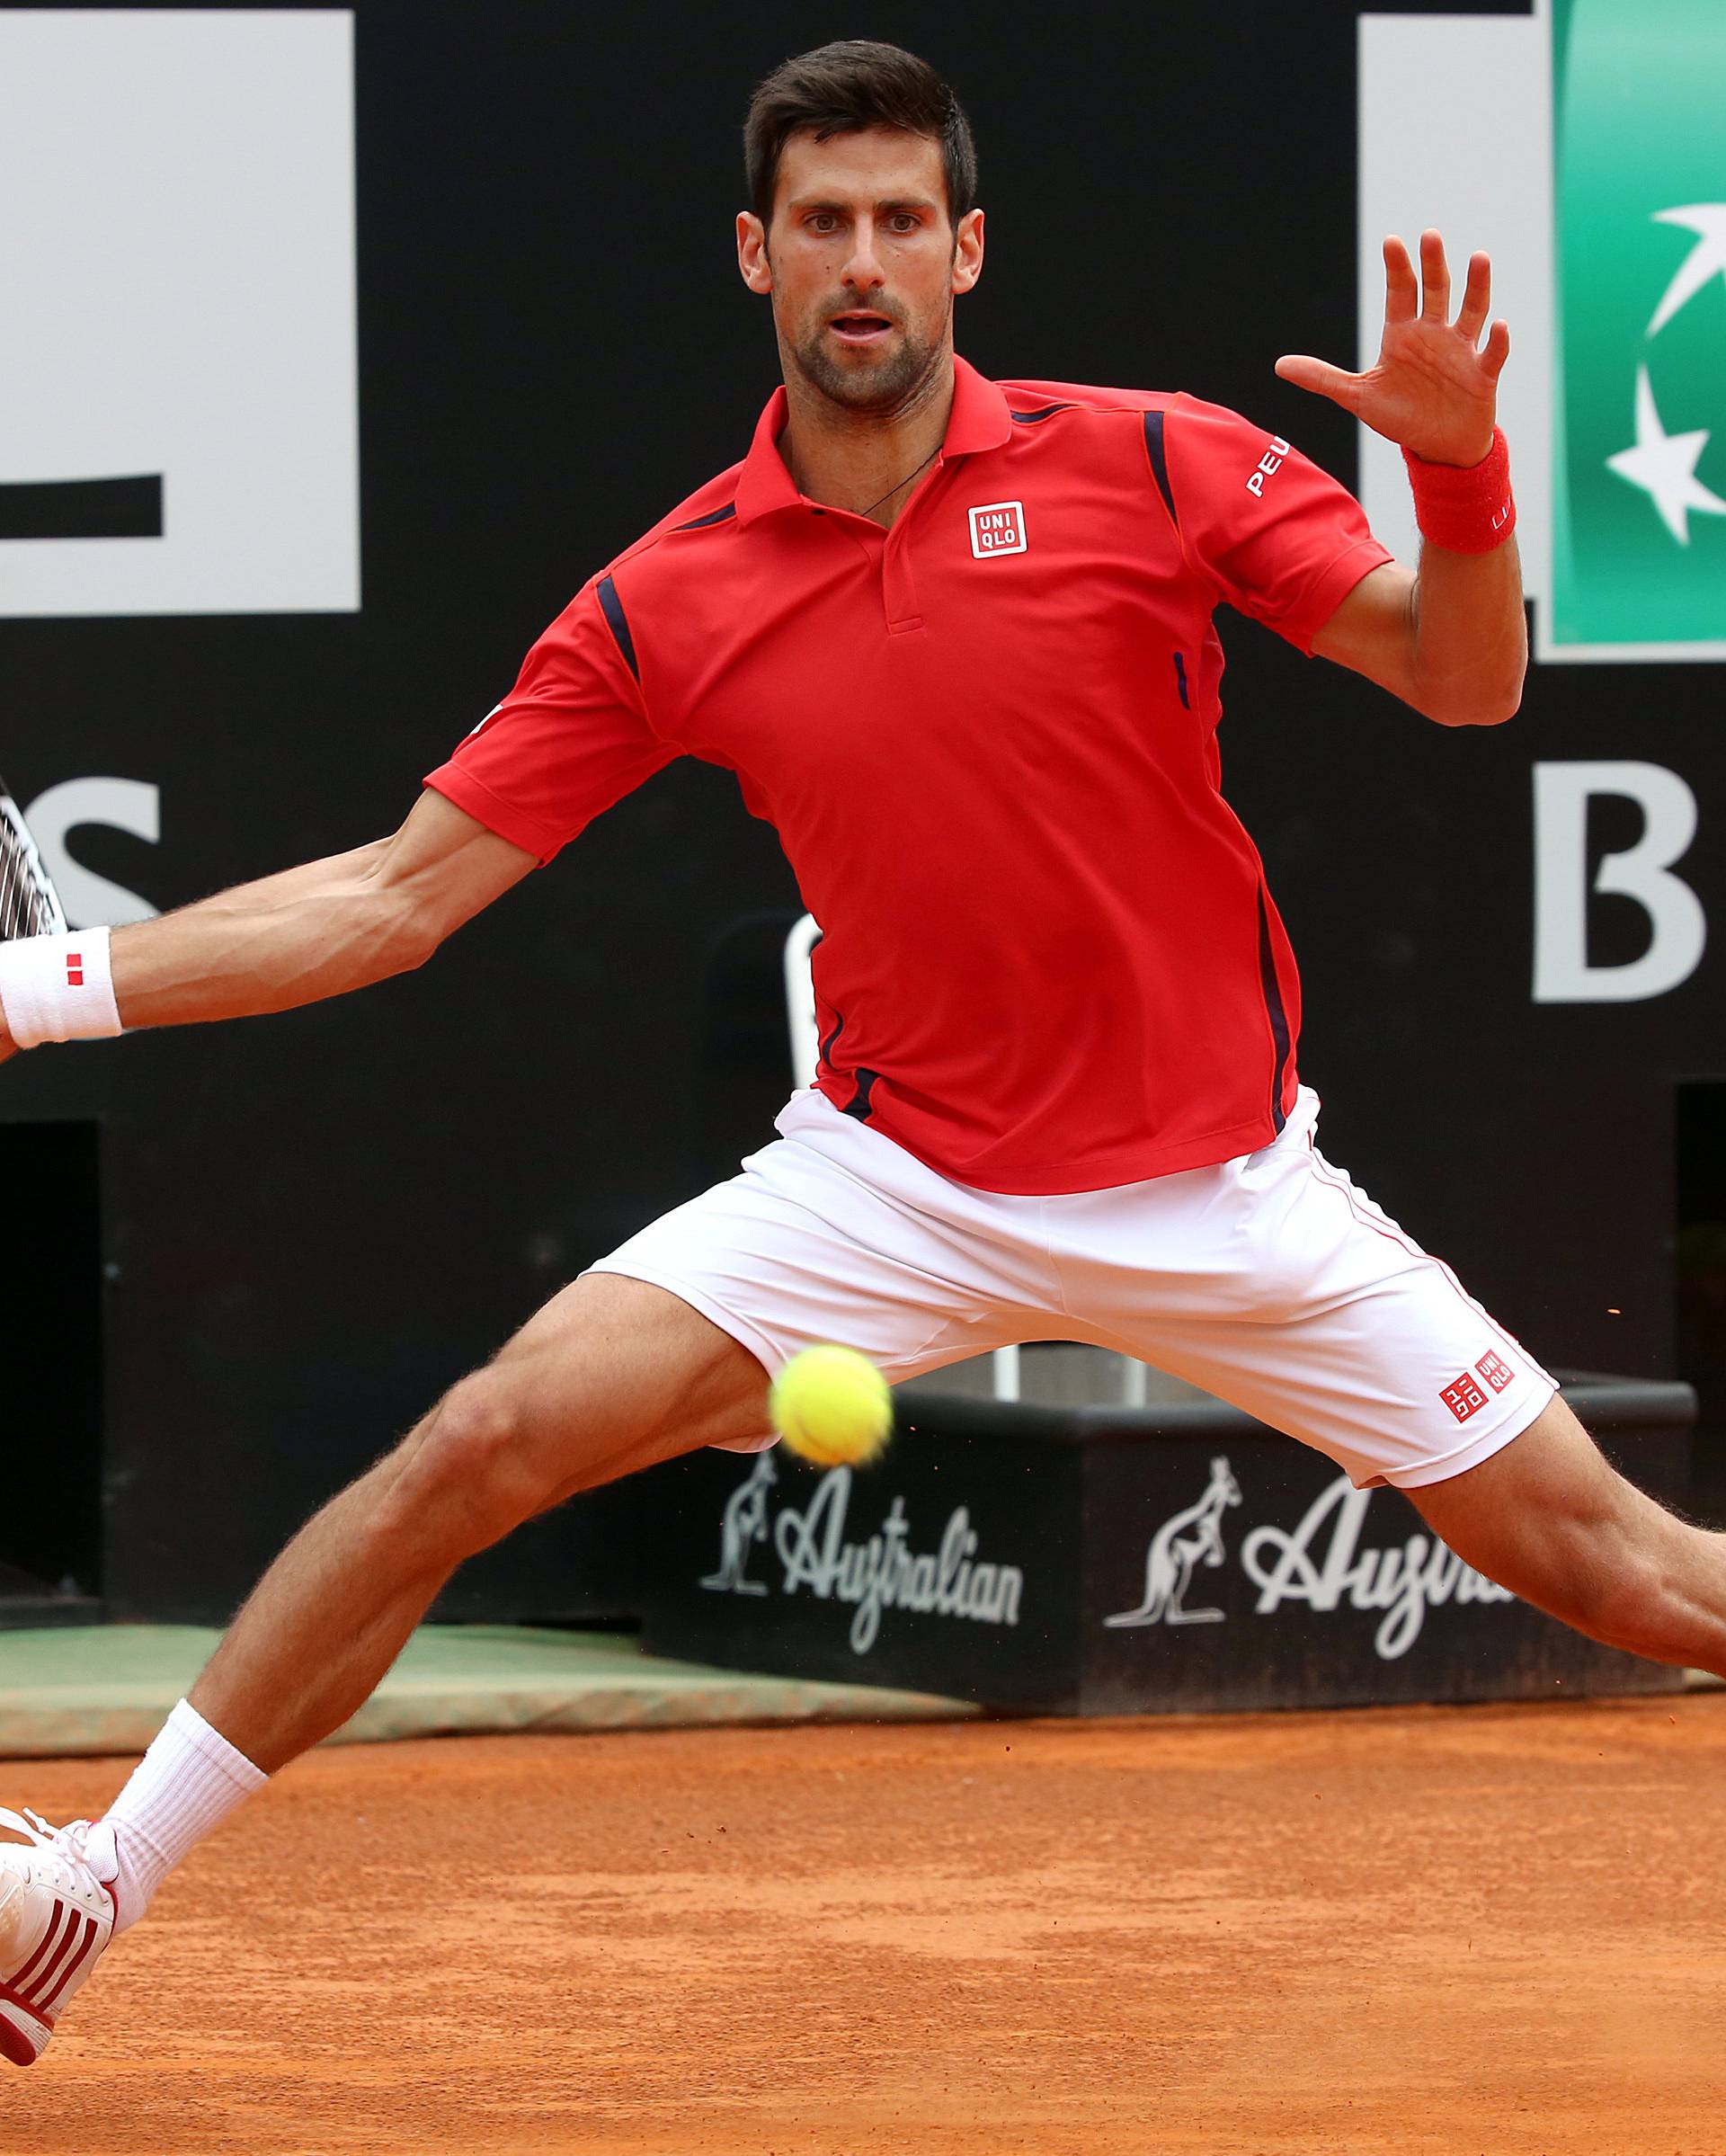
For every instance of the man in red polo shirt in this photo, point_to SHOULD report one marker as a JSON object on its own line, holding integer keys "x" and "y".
{"x": 956, "y": 639}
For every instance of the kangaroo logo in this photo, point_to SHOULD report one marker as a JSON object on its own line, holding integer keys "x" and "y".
{"x": 744, "y": 1525}
{"x": 1192, "y": 1537}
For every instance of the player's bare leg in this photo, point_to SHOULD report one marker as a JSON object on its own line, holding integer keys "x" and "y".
{"x": 1550, "y": 1519}
{"x": 610, "y": 1377}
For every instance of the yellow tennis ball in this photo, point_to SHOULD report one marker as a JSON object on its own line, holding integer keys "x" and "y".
{"x": 831, "y": 1407}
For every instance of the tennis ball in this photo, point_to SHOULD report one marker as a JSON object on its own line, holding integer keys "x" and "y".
{"x": 831, "y": 1407}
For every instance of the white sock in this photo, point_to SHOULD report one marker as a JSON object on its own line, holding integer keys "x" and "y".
{"x": 188, "y": 1782}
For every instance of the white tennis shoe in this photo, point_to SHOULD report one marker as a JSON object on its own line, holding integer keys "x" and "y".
{"x": 56, "y": 1914}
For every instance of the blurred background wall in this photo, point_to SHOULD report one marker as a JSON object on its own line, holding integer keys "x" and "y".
{"x": 416, "y": 313}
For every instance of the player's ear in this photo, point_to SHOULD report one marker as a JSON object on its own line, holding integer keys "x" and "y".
{"x": 751, "y": 252}
{"x": 967, "y": 251}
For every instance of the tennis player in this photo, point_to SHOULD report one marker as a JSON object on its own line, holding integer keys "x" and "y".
{"x": 955, "y": 636}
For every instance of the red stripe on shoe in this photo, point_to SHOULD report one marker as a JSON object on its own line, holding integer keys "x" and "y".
{"x": 24, "y": 2006}
{"x": 80, "y": 1955}
{"x": 43, "y": 1984}
{"x": 47, "y": 1945}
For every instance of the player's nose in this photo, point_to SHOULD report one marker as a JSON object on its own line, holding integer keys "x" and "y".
{"x": 863, "y": 272}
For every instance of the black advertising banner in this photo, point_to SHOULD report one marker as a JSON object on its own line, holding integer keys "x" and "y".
{"x": 1111, "y": 1561}
{"x": 941, "y": 1563}
{"x": 1256, "y": 1576}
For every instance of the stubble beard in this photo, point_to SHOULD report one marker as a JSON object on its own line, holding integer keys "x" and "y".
{"x": 889, "y": 385}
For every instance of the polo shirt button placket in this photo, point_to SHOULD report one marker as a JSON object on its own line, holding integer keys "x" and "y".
{"x": 898, "y": 582}
{"x": 868, "y": 538}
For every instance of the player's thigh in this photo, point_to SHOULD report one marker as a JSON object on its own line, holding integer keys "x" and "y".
{"x": 614, "y": 1373}
{"x": 1549, "y": 1517}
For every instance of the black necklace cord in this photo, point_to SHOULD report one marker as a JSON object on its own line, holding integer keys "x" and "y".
{"x": 897, "y": 484}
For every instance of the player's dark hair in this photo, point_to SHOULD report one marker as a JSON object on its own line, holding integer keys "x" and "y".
{"x": 841, "y": 89}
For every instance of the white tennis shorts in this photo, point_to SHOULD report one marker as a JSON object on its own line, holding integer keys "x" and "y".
{"x": 1270, "y": 1281}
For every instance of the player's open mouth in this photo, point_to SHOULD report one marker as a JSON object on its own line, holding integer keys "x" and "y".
{"x": 861, "y": 328}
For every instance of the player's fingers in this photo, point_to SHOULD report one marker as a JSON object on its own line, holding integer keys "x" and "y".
{"x": 1498, "y": 351}
{"x": 1477, "y": 298}
{"x": 1320, "y": 376}
{"x": 1402, "y": 286}
{"x": 1435, "y": 278}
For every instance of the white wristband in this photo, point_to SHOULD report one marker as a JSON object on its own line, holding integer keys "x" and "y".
{"x": 59, "y": 988}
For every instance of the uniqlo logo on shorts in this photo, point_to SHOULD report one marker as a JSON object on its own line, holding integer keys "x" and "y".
{"x": 1496, "y": 1371}
{"x": 1463, "y": 1396}
{"x": 998, "y": 527}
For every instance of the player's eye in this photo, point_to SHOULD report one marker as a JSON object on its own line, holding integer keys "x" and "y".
{"x": 902, "y": 222}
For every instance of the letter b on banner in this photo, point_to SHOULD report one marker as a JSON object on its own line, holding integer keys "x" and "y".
{"x": 1679, "y": 928}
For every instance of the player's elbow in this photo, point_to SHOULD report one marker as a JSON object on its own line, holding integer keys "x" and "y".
{"x": 412, "y": 939}
{"x": 1476, "y": 707}
{"x": 1495, "y": 711}
{"x": 384, "y": 934}
{"x": 1478, "y": 714}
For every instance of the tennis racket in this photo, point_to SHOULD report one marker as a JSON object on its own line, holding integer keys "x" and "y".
{"x": 30, "y": 905}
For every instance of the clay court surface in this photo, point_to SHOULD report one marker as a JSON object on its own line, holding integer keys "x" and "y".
{"x": 1485, "y": 1930}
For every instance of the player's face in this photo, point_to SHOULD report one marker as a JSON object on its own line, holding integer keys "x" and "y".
{"x": 862, "y": 262}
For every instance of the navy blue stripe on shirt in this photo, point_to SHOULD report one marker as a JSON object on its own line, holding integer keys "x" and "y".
{"x": 714, "y": 516}
{"x": 860, "y": 1104}
{"x": 1275, "y": 1009}
{"x": 1029, "y": 419}
{"x": 1160, "y": 461}
{"x": 612, "y": 608}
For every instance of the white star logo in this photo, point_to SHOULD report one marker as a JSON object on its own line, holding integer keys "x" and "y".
{"x": 1664, "y": 465}
{"x": 1706, "y": 259}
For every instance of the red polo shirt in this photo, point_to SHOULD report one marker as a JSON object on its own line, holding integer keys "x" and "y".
{"x": 987, "y": 739}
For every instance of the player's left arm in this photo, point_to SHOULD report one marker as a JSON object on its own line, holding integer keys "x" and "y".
{"x": 1451, "y": 640}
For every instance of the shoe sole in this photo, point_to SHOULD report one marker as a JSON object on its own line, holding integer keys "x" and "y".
{"x": 23, "y": 2036}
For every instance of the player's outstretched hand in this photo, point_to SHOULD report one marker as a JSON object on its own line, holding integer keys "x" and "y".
{"x": 1434, "y": 390}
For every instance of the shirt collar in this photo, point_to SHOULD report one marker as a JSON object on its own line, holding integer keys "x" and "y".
{"x": 979, "y": 420}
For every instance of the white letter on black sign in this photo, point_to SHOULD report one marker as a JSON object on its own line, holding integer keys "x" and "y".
{"x": 127, "y": 805}
{"x": 1679, "y": 928}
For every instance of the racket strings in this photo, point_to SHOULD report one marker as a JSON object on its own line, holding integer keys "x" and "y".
{"x": 28, "y": 904}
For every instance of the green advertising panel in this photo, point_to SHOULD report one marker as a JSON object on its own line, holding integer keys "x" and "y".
{"x": 1638, "y": 464}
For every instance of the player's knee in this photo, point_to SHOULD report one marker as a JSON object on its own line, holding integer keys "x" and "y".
{"x": 1619, "y": 1581}
{"x": 469, "y": 1480}
{"x": 1636, "y": 1604}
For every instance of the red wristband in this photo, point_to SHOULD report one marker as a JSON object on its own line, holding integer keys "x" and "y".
{"x": 1468, "y": 509}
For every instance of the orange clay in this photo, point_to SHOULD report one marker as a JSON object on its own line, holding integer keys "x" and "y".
{"x": 1495, "y": 1929}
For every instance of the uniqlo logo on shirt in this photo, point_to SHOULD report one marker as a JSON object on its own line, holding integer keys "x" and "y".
{"x": 1496, "y": 1371}
{"x": 1463, "y": 1397}
{"x": 998, "y": 527}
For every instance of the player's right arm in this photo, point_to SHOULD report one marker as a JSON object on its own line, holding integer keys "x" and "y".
{"x": 315, "y": 932}
{"x": 571, "y": 739}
